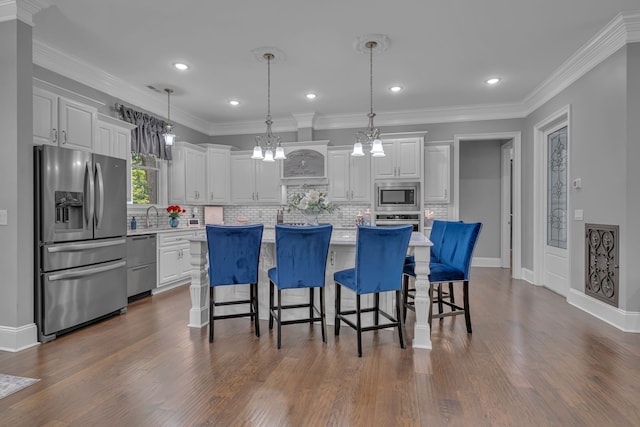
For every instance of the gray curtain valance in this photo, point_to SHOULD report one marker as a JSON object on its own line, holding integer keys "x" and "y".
{"x": 147, "y": 137}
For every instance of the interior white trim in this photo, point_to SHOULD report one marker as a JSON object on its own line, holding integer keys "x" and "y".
{"x": 627, "y": 321}
{"x": 527, "y": 275}
{"x": 22, "y": 10}
{"x": 516, "y": 137}
{"x": 17, "y": 339}
{"x": 624, "y": 28}
{"x": 486, "y": 262}
{"x": 506, "y": 151}
{"x": 96, "y": 78}
{"x": 539, "y": 192}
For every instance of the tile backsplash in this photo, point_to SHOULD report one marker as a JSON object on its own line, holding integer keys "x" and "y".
{"x": 344, "y": 216}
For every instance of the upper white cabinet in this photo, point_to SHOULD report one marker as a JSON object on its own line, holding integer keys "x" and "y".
{"x": 437, "y": 163}
{"x": 349, "y": 177}
{"x": 218, "y": 174}
{"x": 187, "y": 174}
{"x": 254, "y": 181}
{"x": 113, "y": 137}
{"x": 63, "y": 122}
{"x": 402, "y": 159}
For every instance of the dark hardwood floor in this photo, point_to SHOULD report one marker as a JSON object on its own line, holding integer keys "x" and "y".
{"x": 532, "y": 360}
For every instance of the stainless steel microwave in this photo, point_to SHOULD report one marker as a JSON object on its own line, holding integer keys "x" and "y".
{"x": 397, "y": 196}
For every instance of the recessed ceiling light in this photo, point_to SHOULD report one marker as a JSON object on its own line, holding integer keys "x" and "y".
{"x": 181, "y": 66}
{"x": 311, "y": 96}
{"x": 395, "y": 88}
{"x": 234, "y": 102}
{"x": 493, "y": 80}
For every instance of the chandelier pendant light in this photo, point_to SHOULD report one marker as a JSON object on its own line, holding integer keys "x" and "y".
{"x": 371, "y": 136}
{"x": 169, "y": 136}
{"x": 269, "y": 142}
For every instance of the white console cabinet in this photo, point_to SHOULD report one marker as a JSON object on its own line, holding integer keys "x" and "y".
{"x": 402, "y": 159}
{"x": 437, "y": 164}
{"x": 113, "y": 138}
{"x": 254, "y": 181}
{"x": 61, "y": 121}
{"x": 349, "y": 176}
{"x": 187, "y": 174}
{"x": 174, "y": 257}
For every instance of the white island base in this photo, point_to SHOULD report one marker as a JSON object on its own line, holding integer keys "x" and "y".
{"x": 341, "y": 256}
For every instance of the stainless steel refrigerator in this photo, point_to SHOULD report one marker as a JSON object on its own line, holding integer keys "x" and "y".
{"x": 80, "y": 248}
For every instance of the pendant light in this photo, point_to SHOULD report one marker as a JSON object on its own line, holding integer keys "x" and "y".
{"x": 169, "y": 136}
{"x": 371, "y": 136}
{"x": 268, "y": 142}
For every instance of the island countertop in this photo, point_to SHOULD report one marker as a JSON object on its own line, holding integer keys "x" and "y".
{"x": 341, "y": 255}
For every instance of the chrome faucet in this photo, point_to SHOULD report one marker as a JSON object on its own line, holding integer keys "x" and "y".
{"x": 157, "y": 216}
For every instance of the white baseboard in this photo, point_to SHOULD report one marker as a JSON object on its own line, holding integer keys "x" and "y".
{"x": 486, "y": 262}
{"x": 527, "y": 275}
{"x": 20, "y": 338}
{"x": 165, "y": 288}
{"x": 627, "y": 321}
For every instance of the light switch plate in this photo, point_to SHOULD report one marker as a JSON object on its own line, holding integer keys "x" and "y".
{"x": 3, "y": 217}
{"x": 578, "y": 215}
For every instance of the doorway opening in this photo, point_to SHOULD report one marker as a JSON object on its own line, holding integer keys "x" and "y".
{"x": 509, "y": 231}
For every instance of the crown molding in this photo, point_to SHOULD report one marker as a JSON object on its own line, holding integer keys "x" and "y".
{"x": 94, "y": 77}
{"x": 623, "y": 29}
{"x": 253, "y": 127}
{"x": 22, "y": 10}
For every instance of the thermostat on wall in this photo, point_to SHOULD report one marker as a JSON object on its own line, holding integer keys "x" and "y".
{"x": 193, "y": 222}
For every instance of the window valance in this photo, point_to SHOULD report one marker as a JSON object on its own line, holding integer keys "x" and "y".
{"x": 147, "y": 137}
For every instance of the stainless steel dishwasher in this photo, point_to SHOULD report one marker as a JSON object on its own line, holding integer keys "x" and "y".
{"x": 141, "y": 265}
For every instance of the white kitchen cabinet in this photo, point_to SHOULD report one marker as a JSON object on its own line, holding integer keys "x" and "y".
{"x": 402, "y": 160}
{"x": 114, "y": 137}
{"x": 437, "y": 164}
{"x": 254, "y": 181}
{"x": 218, "y": 174}
{"x": 187, "y": 174}
{"x": 63, "y": 122}
{"x": 349, "y": 177}
{"x": 174, "y": 258}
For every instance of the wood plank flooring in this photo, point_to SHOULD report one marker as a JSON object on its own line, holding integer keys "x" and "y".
{"x": 532, "y": 360}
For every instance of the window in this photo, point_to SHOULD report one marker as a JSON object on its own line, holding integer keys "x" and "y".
{"x": 145, "y": 179}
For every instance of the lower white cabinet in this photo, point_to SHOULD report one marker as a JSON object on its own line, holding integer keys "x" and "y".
{"x": 174, "y": 258}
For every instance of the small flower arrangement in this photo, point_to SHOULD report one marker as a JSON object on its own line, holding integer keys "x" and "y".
{"x": 175, "y": 211}
{"x": 310, "y": 201}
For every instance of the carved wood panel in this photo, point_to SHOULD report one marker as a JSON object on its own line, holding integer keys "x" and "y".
{"x": 602, "y": 272}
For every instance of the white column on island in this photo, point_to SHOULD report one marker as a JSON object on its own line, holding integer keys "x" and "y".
{"x": 199, "y": 289}
{"x": 422, "y": 301}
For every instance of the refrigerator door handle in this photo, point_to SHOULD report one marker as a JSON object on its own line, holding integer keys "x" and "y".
{"x": 89, "y": 194}
{"x": 100, "y": 195}
{"x": 83, "y": 246}
{"x": 86, "y": 272}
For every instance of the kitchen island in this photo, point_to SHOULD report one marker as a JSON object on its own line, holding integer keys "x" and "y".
{"x": 341, "y": 256}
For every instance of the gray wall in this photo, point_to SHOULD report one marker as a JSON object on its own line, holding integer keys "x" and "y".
{"x": 16, "y": 196}
{"x": 597, "y": 154}
{"x": 632, "y": 236}
{"x": 480, "y": 191}
{"x": 183, "y": 133}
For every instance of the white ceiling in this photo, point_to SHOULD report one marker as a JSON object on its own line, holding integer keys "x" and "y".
{"x": 440, "y": 52}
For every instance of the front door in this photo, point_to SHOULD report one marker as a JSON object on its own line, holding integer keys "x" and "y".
{"x": 556, "y": 260}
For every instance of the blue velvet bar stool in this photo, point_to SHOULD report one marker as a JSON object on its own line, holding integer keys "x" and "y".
{"x": 408, "y": 294}
{"x": 301, "y": 262}
{"x": 380, "y": 255}
{"x": 234, "y": 254}
{"x": 453, "y": 265}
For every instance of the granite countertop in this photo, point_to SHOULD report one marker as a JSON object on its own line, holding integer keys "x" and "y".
{"x": 141, "y": 231}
